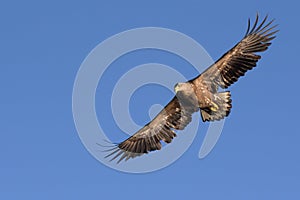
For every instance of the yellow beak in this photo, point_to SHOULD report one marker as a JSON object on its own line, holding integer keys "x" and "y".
{"x": 176, "y": 88}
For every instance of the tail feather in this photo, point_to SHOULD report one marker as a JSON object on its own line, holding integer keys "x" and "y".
{"x": 219, "y": 108}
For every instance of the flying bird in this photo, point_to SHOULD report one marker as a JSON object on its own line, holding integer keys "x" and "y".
{"x": 200, "y": 94}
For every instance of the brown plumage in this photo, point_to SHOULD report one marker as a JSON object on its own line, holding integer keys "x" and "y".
{"x": 200, "y": 93}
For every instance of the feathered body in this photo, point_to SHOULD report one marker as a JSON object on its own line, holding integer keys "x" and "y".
{"x": 201, "y": 93}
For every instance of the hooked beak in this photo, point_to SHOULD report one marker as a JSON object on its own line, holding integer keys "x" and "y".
{"x": 176, "y": 88}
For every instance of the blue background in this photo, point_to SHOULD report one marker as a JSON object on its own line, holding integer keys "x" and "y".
{"x": 42, "y": 46}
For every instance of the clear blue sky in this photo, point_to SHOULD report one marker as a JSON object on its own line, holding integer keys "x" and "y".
{"x": 42, "y": 46}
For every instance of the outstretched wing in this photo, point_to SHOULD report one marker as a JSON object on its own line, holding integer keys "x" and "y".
{"x": 242, "y": 57}
{"x": 174, "y": 116}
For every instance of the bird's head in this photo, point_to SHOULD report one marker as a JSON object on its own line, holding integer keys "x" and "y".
{"x": 182, "y": 87}
{"x": 178, "y": 87}
{"x": 185, "y": 93}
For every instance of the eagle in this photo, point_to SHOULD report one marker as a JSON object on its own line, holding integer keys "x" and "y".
{"x": 201, "y": 94}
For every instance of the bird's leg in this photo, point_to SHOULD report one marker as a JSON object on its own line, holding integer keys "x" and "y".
{"x": 214, "y": 107}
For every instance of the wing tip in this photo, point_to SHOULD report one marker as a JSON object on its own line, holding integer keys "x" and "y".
{"x": 260, "y": 29}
